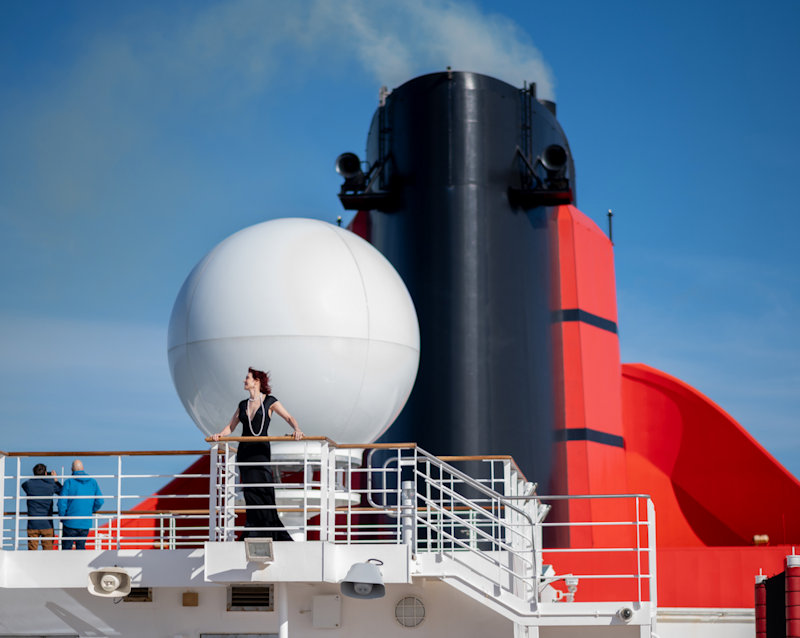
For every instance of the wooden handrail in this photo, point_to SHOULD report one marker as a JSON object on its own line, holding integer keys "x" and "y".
{"x": 113, "y": 513}
{"x": 267, "y": 439}
{"x": 377, "y": 446}
{"x": 344, "y": 446}
{"x": 338, "y": 508}
{"x": 117, "y": 453}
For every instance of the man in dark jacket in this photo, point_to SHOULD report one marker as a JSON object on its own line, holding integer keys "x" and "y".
{"x": 40, "y": 507}
{"x": 76, "y": 513}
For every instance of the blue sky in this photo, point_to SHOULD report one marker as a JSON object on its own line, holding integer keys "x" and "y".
{"x": 137, "y": 136}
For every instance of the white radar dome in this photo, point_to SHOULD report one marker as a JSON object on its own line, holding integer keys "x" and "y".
{"x": 313, "y": 304}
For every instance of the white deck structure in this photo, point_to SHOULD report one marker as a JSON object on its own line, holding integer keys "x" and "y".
{"x": 461, "y": 555}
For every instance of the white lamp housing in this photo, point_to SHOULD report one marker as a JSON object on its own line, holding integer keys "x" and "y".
{"x": 109, "y": 582}
{"x": 258, "y": 550}
{"x": 364, "y": 581}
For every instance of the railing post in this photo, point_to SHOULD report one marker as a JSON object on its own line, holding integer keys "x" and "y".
{"x": 331, "y": 493}
{"x": 119, "y": 503}
{"x": 173, "y": 533}
{"x": 228, "y": 492}
{"x": 428, "y": 501}
{"x": 511, "y": 535}
{"x": 508, "y": 514}
{"x": 16, "y": 505}
{"x": 213, "y": 495}
{"x": 637, "y": 520}
{"x": 409, "y": 503}
{"x": 534, "y": 510}
{"x": 398, "y": 496}
{"x": 324, "y": 489}
{"x": 308, "y": 480}
{"x": 3, "y": 500}
{"x": 651, "y": 543}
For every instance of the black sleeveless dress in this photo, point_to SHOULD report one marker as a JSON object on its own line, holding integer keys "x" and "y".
{"x": 258, "y": 452}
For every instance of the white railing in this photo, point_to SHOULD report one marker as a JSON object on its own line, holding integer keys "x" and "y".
{"x": 132, "y": 515}
{"x": 475, "y": 515}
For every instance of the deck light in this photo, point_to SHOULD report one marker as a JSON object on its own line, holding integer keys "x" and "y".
{"x": 625, "y": 614}
{"x": 258, "y": 550}
{"x": 364, "y": 580}
{"x": 572, "y": 587}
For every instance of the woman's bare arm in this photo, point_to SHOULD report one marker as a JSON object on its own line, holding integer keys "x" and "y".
{"x": 228, "y": 428}
{"x": 284, "y": 414}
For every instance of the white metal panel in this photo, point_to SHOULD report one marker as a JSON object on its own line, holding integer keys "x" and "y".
{"x": 312, "y": 561}
{"x": 326, "y": 612}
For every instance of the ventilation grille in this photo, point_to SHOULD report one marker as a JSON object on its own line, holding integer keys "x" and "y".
{"x": 251, "y": 598}
{"x": 139, "y": 595}
{"x": 410, "y": 612}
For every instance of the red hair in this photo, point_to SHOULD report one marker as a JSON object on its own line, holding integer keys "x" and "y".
{"x": 262, "y": 378}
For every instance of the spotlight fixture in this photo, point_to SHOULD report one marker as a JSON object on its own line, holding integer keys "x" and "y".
{"x": 258, "y": 550}
{"x": 554, "y": 160}
{"x": 362, "y": 191}
{"x": 625, "y": 614}
{"x": 348, "y": 165}
{"x": 543, "y": 182}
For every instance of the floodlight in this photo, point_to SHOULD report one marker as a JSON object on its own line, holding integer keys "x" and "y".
{"x": 258, "y": 550}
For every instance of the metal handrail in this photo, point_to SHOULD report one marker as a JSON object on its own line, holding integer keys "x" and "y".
{"x": 204, "y": 452}
{"x": 502, "y": 501}
{"x": 483, "y": 511}
{"x": 465, "y": 478}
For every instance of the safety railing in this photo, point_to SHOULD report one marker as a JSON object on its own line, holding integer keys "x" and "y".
{"x": 605, "y": 542}
{"x": 135, "y": 511}
{"x": 477, "y": 516}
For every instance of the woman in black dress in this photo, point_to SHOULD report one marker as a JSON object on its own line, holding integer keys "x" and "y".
{"x": 254, "y": 414}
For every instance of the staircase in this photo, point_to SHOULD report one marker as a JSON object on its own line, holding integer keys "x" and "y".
{"x": 483, "y": 536}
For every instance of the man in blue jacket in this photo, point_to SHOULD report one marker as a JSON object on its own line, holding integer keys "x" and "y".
{"x": 40, "y": 508}
{"x": 76, "y": 513}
